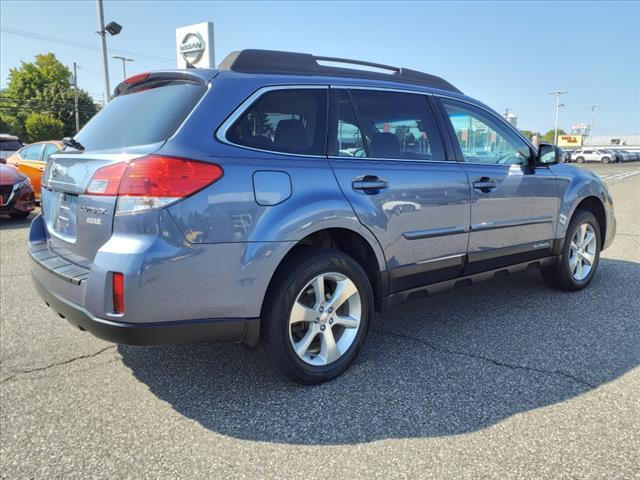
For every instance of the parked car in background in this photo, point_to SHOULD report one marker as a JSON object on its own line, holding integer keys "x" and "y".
{"x": 593, "y": 155}
{"x": 627, "y": 156}
{"x": 17, "y": 198}
{"x": 615, "y": 154}
{"x": 31, "y": 160}
{"x": 9, "y": 144}
{"x": 236, "y": 184}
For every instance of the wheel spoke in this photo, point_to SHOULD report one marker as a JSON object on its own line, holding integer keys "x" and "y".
{"x": 302, "y": 313}
{"x": 318, "y": 290}
{"x": 573, "y": 262}
{"x": 328, "y": 348}
{"x": 574, "y": 246}
{"x": 347, "y": 322}
{"x": 582, "y": 231}
{"x": 303, "y": 344}
{"x": 578, "y": 273}
{"x": 345, "y": 289}
{"x": 589, "y": 257}
{"x": 590, "y": 237}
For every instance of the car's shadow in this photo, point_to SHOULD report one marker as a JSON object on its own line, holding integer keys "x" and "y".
{"x": 8, "y": 223}
{"x": 454, "y": 363}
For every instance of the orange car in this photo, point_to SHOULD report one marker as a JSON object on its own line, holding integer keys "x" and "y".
{"x": 31, "y": 159}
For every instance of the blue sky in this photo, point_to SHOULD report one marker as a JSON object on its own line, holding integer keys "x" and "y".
{"x": 507, "y": 54}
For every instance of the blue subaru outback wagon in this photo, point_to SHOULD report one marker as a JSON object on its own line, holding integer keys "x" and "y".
{"x": 278, "y": 201}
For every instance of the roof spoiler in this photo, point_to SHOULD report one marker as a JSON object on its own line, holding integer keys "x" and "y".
{"x": 291, "y": 63}
{"x": 149, "y": 78}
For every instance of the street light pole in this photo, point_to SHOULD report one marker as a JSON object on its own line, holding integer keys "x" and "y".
{"x": 557, "y": 95}
{"x": 124, "y": 60}
{"x": 75, "y": 95}
{"x": 593, "y": 114}
{"x": 103, "y": 47}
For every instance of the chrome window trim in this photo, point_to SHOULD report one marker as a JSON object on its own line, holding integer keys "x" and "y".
{"x": 221, "y": 132}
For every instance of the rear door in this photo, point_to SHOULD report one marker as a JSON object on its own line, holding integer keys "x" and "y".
{"x": 514, "y": 203}
{"x": 389, "y": 159}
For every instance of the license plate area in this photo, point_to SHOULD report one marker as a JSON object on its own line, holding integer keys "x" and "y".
{"x": 60, "y": 213}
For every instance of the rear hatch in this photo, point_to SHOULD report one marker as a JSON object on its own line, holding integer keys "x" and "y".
{"x": 147, "y": 110}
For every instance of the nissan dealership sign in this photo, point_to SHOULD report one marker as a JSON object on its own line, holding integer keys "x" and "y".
{"x": 195, "y": 47}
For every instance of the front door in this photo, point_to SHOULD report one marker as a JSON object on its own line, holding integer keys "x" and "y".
{"x": 388, "y": 157}
{"x": 514, "y": 203}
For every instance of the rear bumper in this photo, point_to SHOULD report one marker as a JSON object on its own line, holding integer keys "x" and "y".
{"x": 243, "y": 330}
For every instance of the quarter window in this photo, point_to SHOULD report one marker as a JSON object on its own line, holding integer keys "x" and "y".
{"x": 50, "y": 149}
{"x": 483, "y": 139}
{"x": 289, "y": 121}
{"x": 395, "y": 125}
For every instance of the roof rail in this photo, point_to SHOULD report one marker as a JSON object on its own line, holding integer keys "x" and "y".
{"x": 291, "y": 63}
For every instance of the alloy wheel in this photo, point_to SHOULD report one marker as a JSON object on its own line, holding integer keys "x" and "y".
{"x": 582, "y": 254}
{"x": 325, "y": 319}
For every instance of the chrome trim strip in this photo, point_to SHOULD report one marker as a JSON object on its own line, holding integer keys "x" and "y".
{"x": 517, "y": 222}
{"x": 439, "y": 259}
{"x": 435, "y": 232}
{"x": 405, "y": 160}
{"x": 221, "y": 132}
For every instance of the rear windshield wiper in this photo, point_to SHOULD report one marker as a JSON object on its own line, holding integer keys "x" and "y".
{"x": 71, "y": 142}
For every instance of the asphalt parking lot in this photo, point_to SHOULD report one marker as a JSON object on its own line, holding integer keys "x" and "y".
{"x": 506, "y": 379}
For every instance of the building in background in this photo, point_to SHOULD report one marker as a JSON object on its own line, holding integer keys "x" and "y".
{"x": 613, "y": 141}
{"x": 511, "y": 117}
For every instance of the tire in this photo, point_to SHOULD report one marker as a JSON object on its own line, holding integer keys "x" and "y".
{"x": 580, "y": 159}
{"x": 562, "y": 276}
{"x": 293, "y": 284}
{"x": 19, "y": 215}
{"x": 606, "y": 160}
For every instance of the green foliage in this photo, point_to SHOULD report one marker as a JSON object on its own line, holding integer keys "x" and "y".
{"x": 11, "y": 125}
{"x": 44, "y": 86}
{"x": 40, "y": 126}
{"x": 550, "y": 135}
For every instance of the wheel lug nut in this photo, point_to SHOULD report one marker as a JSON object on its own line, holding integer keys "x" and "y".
{"x": 331, "y": 320}
{"x": 316, "y": 320}
{"x": 321, "y": 309}
{"x": 330, "y": 309}
{"x": 322, "y": 327}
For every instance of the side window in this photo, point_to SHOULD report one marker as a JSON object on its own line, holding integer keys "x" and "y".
{"x": 50, "y": 149}
{"x": 397, "y": 125}
{"x": 288, "y": 120}
{"x": 345, "y": 139}
{"x": 483, "y": 139}
{"x": 32, "y": 152}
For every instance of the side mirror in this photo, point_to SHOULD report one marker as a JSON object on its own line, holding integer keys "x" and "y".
{"x": 549, "y": 154}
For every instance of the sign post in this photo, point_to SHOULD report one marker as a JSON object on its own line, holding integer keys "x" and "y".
{"x": 195, "y": 47}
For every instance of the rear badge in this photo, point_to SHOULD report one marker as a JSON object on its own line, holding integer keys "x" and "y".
{"x": 94, "y": 210}
{"x": 94, "y": 221}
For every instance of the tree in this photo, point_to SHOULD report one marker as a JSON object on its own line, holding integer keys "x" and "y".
{"x": 11, "y": 125}
{"x": 550, "y": 135}
{"x": 40, "y": 126}
{"x": 44, "y": 86}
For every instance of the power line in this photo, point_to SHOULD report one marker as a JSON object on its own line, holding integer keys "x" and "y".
{"x": 86, "y": 46}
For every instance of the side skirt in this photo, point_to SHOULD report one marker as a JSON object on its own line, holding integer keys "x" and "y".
{"x": 399, "y": 298}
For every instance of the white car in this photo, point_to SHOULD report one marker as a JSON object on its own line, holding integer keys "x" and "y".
{"x": 593, "y": 155}
{"x": 9, "y": 144}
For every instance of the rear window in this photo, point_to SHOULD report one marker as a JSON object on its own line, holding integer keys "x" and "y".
{"x": 146, "y": 116}
{"x": 289, "y": 121}
{"x": 11, "y": 145}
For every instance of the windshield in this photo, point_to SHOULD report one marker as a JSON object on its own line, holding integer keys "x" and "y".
{"x": 144, "y": 117}
{"x": 10, "y": 145}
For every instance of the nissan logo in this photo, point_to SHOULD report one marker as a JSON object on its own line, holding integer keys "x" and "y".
{"x": 192, "y": 47}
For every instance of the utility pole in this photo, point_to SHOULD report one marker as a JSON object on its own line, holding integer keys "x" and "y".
{"x": 558, "y": 105}
{"x": 75, "y": 95}
{"x": 593, "y": 114}
{"x": 124, "y": 61}
{"x": 103, "y": 47}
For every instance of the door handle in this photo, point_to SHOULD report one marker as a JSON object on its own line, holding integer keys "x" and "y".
{"x": 485, "y": 184}
{"x": 370, "y": 184}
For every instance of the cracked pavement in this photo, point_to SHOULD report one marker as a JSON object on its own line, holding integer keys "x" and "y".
{"x": 506, "y": 379}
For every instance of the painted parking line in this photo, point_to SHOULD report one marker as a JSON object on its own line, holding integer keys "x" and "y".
{"x": 619, "y": 175}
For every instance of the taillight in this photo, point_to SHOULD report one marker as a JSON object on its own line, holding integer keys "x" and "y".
{"x": 153, "y": 181}
{"x": 118, "y": 292}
